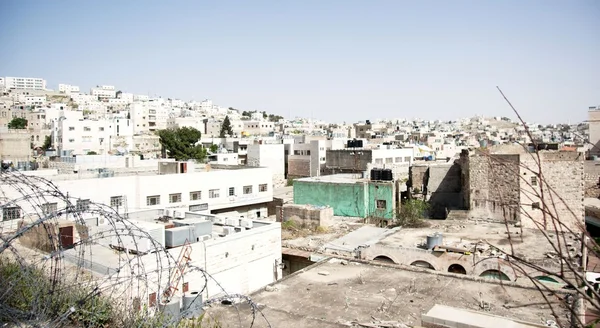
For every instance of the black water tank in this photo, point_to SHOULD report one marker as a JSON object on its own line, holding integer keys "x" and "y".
{"x": 358, "y": 143}
{"x": 386, "y": 175}
{"x": 351, "y": 144}
{"x": 375, "y": 174}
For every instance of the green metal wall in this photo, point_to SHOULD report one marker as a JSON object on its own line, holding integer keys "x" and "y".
{"x": 347, "y": 199}
{"x": 381, "y": 191}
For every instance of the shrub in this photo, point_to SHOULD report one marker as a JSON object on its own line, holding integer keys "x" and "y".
{"x": 412, "y": 214}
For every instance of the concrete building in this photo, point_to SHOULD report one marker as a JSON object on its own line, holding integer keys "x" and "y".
{"x": 306, "y": 159}
{"x": 361, "y": 159}
{"x": 349, "y": 195}
{"x": 594, "y": 128}
{"x": 68, "y": 89}
{"x": 271, "y": 156}
{"x": 245, "y": 191}
{"x": 509, "y": 187}
{"x": 15, "y": 145}
{"x": 81, "y": 136}
{"x": 24, "y": 83}
{"x": 104, "y": 92}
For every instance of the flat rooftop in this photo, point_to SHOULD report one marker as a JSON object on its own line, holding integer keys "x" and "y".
{"x": 336, "y": 178}
{"x": 335, "y": 293}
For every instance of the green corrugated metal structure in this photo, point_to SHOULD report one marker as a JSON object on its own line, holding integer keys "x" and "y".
{"x": 353, "y": 197}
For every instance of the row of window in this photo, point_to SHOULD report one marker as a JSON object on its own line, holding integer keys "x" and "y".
{"x": 197, "y": 195}
{"x": 391, "y": 160}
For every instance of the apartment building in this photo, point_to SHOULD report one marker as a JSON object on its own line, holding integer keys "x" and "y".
{"x": 2, "y": 84}
{"x": 15, "y": 145}
{"x": 594, "y": 126}
{"x": 104, "y": 92}
{"x": 355, "y": 160}
{"x": 68, "y": 89}
{"x": 78, "y": 137}
{"x": 24, "y": 83}
{"x": 32, "y": 100}
{"x": 271, "y": 156}
{"x": 257, "y": 128}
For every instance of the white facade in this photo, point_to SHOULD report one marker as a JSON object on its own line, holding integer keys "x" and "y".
{"x": 392, "y": 156}
{"x": 2, "y": 83}
{"x": 127, "y": 97}
{"x": 79, "y": 137}
{"x": 271, "y": 156}
{"x": 139, "y": 112}
{"x": 141, "y": 98}
{"x": 26, "y": 83}
{"x": 68, "y": 89}
{"x": 103, "y": 93}
{"x": 32, "y": 100}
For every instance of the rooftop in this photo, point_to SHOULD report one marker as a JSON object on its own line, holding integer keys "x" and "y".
{"x": 336, "y": 293}
{"x": 335, "y": 178}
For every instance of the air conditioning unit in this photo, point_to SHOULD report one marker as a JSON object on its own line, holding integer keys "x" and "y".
{"x": 228, "y": 230}
{"x": 178, "y": 215}
{"x": 246, "y": 223}
{"x": 219, "y": 220}
{"x": 232, "y": 222}
{"x": 168, "y": 213}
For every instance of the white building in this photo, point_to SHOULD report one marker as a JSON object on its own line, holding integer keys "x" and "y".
{"x": 2, "y": 83}
{"x": 32, "y": 100}
{"x": 141, "y": 98}
{"x": 127, "y": 97}
{"x": 104, "y": 92}
{"x": 271, "y": 156}
{"x": 68, "y": 89}
{"x": 78, "y": 137}
{"x": 26, "y": 83}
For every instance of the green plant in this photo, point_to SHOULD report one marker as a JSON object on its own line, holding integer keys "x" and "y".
{"x": 92, "y": 153}
{"x": 213, "y": 148}
{"x": 17, "y": 123}
{"x": 182, "y": 143}
{"x": 290, "y": 182}
{"x": 412, "y": 213}
{"x": 47, "y": 143}
{"x": 289, "y": 225}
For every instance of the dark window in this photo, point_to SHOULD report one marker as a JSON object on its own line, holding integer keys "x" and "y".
{"x": 381, "y": 204}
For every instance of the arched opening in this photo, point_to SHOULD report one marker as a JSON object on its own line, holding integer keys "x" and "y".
{"x": 383, "y": 258}
{"x": 457, "y": 268}
{"x": 546, "y": 279}
{"x": 494, "y": 274}
{"x": 423, "y": 264}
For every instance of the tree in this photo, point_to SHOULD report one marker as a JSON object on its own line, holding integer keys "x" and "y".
{"x": 214, "y": 148}
{"x": 182, "y": 143}
{"x": 18, "y": 123}
{"x": 47, "y": 143}
{"x": 128, "y": 115}
{"x": 226, "y": 128}
{"x": 92, "y": 153}
{"x": 265, "y": 115}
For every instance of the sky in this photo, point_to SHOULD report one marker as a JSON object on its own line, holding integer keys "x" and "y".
{"x": 339, "y": 61}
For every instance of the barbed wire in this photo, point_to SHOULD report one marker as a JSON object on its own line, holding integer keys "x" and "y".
{"x": 50, "y": 278}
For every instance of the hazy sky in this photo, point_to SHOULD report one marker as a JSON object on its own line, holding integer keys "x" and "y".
{"x": 333, "y": 60}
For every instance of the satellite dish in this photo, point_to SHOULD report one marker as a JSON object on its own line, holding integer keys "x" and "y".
{"x": 121, "y": 150}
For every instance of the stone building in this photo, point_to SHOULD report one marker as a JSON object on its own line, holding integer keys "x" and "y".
{"x": 517, "y": 188}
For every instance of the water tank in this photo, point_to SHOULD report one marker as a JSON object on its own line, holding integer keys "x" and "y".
{"x": 434, "y": 240}
{"x": 375, "y": 174}
{"x": 350, "y": 144}
{"x": 358, "y": 143}
{"x": 386, "y": 175}
{"x": 192, "y": 304}
{"x": 171, "y": 309}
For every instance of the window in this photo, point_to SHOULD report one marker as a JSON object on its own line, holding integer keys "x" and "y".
{"x": 116, "y": 201}
{"x": 322, "y": 159}
{"x": 86, "y": 128}
{"x": 535, "y": 206}
{"x": 71, "y": 140}
{"x": 174, "y": 198}
{"x": 247, "y": 190}
{"x": 49, "y": 208}
{"x": 533, "y": 181}
{"x": 231, "y": 191}
{"x": 379, "y": 161}
{"x": 262, "y": 187}
{"x": 213, "y": 193}
{"x": 82, "y": 205}
{"x": 407, "y": 159}
{"x": 71, "y": 128}
{"x": 381, "y": 204}
{"x": 195, "y": 195}
{"x": 11, "y": 213}
{"x": 389, "y": 160}
{"x": 398, "y": 159}
{"x": 101, "y": 128}
{"x": 153, "y": 200}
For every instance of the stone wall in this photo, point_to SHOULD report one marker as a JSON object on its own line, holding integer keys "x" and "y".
{"x": 557, "y": 194}
{"x": 298, "y": 167}
{"x": 591, "y": 178}
{"x": 306, "y": 215}
{"x": 492, "y": 186}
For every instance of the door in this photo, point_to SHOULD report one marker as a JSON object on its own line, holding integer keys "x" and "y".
{"x": 66, "y": 236}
